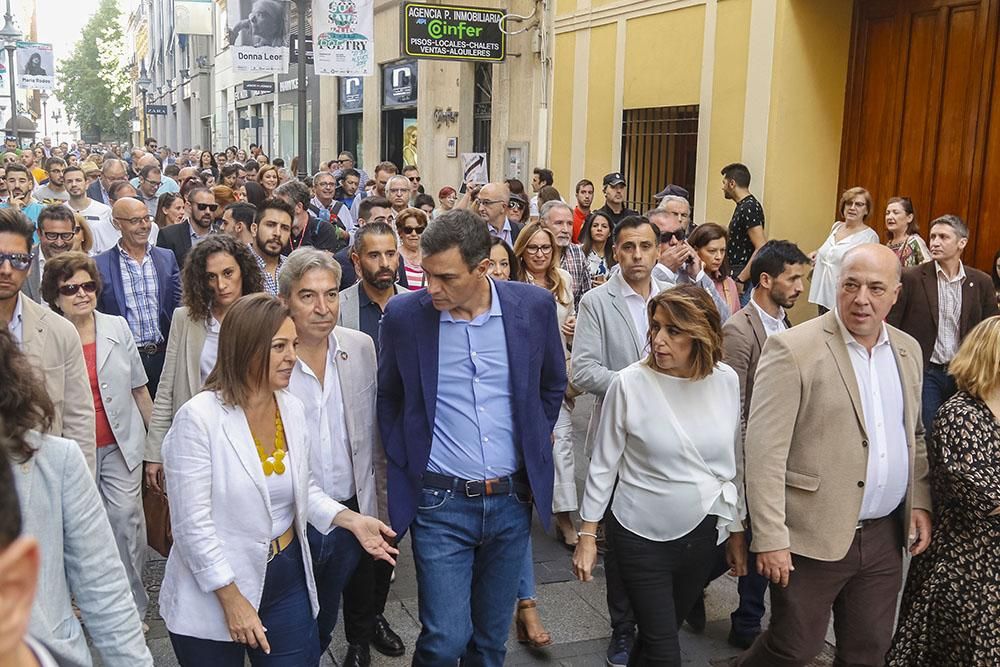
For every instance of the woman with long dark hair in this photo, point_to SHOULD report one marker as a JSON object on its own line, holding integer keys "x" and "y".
{"x": 207, "y": 161}
{"x": 595, "y": 237}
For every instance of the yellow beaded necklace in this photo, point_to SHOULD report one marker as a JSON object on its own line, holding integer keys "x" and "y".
{"x": 275, "y": 463}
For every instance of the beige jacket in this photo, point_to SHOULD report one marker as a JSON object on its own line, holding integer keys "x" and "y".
{"x": 806, "y": 444}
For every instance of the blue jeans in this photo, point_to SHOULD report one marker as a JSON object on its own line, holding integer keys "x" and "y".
{"x": 335, "y": 557}
{"x": 751, "y": 586}
{"x": 469, "y": 554}
{"x": 284, "y": 610}
{"x": 526, "y": 585}
{"x": 938, "y": 388}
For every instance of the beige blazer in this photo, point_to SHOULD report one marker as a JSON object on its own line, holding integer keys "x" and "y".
{"x": 54, "y": 350}
{"x": 180, "y": 380}
{"x": 806, "y": 444}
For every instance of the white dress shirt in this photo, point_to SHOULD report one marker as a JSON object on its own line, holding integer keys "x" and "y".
{"x": 882, "y": 405}
{"x": 637, "y": 309}
{"x": 772, "y": 325}
{"x": 210, "y": 350}
{"x": 16, "y": 324}
{"x": 671, "y": 444}
{"x": 330, "y": 457}
{"x": 949, "y": 313}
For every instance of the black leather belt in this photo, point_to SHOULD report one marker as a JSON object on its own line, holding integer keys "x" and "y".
{"x": 938, "y": 367}
{"x": 473, "y": 488}
{"x": 151, "y": 349}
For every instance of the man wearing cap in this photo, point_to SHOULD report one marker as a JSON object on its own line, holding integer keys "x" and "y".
{"x": 584, "y": 198}
{"x": 614, "y": 208}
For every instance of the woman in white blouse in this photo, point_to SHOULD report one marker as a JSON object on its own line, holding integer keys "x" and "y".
{"x": 855, "y": 207}
{"x": 669, "y": 436}
{"x": 217, "y": 272}
{"x": 239, "y": 580}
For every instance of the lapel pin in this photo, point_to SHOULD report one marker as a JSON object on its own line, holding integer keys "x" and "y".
{"x": 343, "y": 355}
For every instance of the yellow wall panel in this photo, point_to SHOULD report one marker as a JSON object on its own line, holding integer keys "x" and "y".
{"x": 562, "y": 106}
{"x": 663, "y": 58}
{"x": 564, "y": 7}
{"x": 600, "y": 110}
{"x": 729, "y": 80}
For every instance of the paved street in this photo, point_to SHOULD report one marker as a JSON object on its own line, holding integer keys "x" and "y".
{"x": 575, "y": 613}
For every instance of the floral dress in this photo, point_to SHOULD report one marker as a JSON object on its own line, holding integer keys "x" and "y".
{"x": 912, "y": 251}
{"x": 950, "y": 615}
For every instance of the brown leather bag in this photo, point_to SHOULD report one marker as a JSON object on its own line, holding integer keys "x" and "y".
{"x": 157, "y": 510}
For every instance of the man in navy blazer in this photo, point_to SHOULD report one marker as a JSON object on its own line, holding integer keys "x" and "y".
{"x": 471, "y": 377}
{"x": 128, "y": 272}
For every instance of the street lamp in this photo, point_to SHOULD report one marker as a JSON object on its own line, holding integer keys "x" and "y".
{"x": 45, "y": 116}
{"x": 9, "y": 37}
{"x": 56, "y": 117}
{"x": 303, "y": 170}
{"x": 144, "y": 83}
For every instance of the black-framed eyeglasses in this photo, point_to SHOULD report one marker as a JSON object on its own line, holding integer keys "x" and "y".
{"x": 19, "y": 261}
{"x": 135, "y": 221}
{"x": 667, "y": 237}
{"x": 61, "y": 236}
{"x": 69, "y": 289}
{"x": 156, "y": 183}
{"x": 207, "y": 207}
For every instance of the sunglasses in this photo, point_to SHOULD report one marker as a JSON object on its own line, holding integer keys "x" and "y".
{"x": 61, "y": 236}
{"x": 19, "y": 261}
{"x": 414, "y": 179}
{"x": 667, "y": 237}
{"x": 516, "y": 203}
{"x": 69, "y": 289}
{"x": 207, "y": 207}
{"x": 413, "y": 230}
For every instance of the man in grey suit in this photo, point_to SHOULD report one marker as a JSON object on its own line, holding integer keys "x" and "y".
{"x": 376, "y": 259}
{"x": 611, "y": 326}
{"x": 777, "y": 270}
{"x": 56, "y": 231}
{"x": 334, "y": 377}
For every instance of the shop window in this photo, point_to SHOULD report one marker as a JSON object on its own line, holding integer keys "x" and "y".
{"x": 659, "y": 147}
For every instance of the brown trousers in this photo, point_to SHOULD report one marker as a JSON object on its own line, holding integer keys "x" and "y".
{"x": 861, "y": 590}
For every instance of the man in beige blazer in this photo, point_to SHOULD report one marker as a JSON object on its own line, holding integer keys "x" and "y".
{"x": 836, "y": 471}
{"x": 50, "y": 342}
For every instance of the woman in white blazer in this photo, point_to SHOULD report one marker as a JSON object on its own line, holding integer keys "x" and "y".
{"x": 238, "y": 580}
{"x": 71, "y": 285}
{"x": 61, "y": 509}
{"x": 217, "y": 272}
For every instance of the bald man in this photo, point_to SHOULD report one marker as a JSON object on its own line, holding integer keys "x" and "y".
{"x": 836, "y": 471}
{"x": 141, "y": 283}
{"x": 492, "y": 205}
{"x": 112, "y": 171}
{"x": 167, "y": 184}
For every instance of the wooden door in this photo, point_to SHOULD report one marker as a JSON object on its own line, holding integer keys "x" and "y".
{"x": 921, "y": 93}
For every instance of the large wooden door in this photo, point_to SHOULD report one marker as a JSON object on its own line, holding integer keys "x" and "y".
{"x": 922, "y": 91}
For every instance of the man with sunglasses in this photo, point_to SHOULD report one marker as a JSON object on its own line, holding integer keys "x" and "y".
{"x": 201, "y": 207}
{"x": 678, "y": 262}
{"x": 413, "y": 176}
{"x": 50, "y": 342}
{"x": 57, "y": 228}
{"x": 141, "y": 283}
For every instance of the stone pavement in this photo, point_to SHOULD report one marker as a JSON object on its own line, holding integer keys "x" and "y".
{"x": 575, "y": 613}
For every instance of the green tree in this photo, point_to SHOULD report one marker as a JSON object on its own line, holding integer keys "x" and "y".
{"x": 93, "y": 82}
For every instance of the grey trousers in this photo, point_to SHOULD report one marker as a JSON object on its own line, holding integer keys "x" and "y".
{"x": 121, "y": 491}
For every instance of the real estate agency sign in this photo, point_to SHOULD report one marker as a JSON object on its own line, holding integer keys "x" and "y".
{"x": 450, "y": 32}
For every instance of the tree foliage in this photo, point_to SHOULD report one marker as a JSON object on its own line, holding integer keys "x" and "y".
{"x": 93, "y": 82}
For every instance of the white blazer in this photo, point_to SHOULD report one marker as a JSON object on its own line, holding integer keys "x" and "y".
{"x": 119, "y": 371}
{"x": 220, "y": 510}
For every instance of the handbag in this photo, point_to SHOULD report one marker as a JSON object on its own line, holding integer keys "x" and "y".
{"x": 157, "y": 510}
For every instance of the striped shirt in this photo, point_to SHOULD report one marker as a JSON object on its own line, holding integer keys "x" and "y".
{"x": 142, "y": 296}
{"x": 949, "y": 312}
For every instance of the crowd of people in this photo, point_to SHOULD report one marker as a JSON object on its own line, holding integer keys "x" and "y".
{"x": 307, "y": 370}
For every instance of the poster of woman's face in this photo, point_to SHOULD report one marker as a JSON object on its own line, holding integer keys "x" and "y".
{"x": 35, "y": 66}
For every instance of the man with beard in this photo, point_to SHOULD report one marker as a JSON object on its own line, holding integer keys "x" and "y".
{"x": 614, "y": 208}
{"x": 237, "y": 219}
{"x": 141, "y": 283}
{"x": 271, "y": 230}
{"x": 376, "y": 259}
{"x": 181, "y": 238}
{"x": 54, "y": 191}
{"x": 56, "y": 228}
{"x": 372, "y": 209}
{"x": 20, "y": 183}
{"x": 97, "y": 215}
{"x": 778, "y": 269}
{"x": 350, "y": 184}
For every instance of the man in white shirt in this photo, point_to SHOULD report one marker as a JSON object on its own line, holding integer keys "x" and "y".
{"x": 334, "y": 377}
{"x": 610, "y": 334}
{"x": 678, "y": 263}
{"x": 778, "y": 270}
{"x": 97, "y": 215}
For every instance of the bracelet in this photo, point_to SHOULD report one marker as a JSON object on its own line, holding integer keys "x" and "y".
{"x": 581, "y": 533}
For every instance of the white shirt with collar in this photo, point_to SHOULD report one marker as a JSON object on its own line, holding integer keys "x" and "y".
{"x": 881, "y": 392}
{"x": 210, "y": 350}
{"x": 772, "y": 325}
{"x": 16, "y": 324}
{"x": 637, "y": 309}
{"x": 330, "y": 456}
{"x": 949, "y": 313}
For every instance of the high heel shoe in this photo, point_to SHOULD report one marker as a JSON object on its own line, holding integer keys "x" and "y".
{"x": 539, "y": 640}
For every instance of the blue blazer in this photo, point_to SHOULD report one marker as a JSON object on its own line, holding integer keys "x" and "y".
{"x": 168, "y": 278}
{"x": 94, "y": 192}
{"x": 407, "y": 390}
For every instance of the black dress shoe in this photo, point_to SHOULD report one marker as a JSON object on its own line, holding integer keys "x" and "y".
{"x": 358, "y": 655}
{"x": 738, "y": 640}
{"x": 385, "y": 640}
{"x": 696, "y": 617}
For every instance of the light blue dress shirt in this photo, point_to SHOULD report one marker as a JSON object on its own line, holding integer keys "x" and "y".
{"x": 473, "y": 434}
